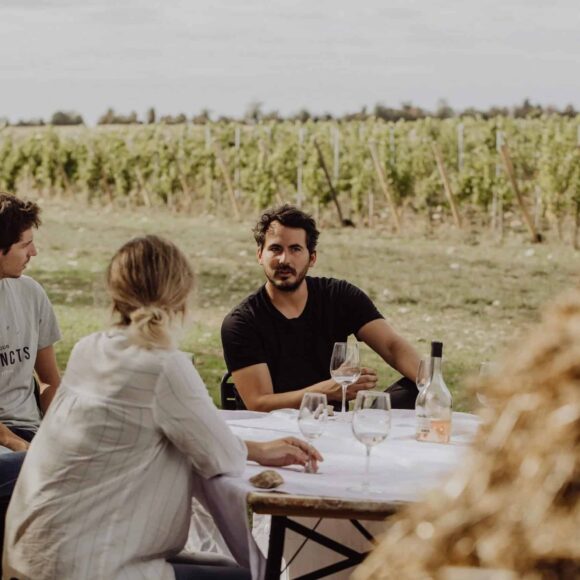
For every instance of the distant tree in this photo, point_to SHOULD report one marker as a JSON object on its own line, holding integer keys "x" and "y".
{"x": 323, "y": 117}
{"x": 496, "y": 111}
{"x": 30, "y": 123}
{"x": 107, "y": 118}
{"x": 66, "y": 118}
{"x": 273, "y": 116}
{"x": 151, "y": 116}
{"x": 302, "y": 116}
{"x": 254, "y": 112}
{"x": 444, "y": 110}
{"x": 471, "y": 112}
{"x": 527, "y": 110}
{"x": 569, "y": 111}
{"x": 203, "y": 117}
{"x": 112, "y": 118}
{"x": 173, "y": 120}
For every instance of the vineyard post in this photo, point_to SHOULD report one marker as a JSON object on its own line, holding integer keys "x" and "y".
{"x": 371, "y": 205}
{"x": 208, "y": 177}
{"x": 317, "y": 210}
{"x": 497, "y": 203}
{"x": 537, "y": 207}
{"x": 227, "y": 178}
{"x": 237, "y": 141}
{"x": 507, "y": 161}
{"x": 333, "y": 192}
{"x": 576, "y": 226}
{"x": 380, "y": 171}
{"x": 299, "y": 167}
{"x": 392, "y": 145}
{"x": 460, "y": 146}
{"x": 336, "y": 155}
{"x": 446, "y": 184}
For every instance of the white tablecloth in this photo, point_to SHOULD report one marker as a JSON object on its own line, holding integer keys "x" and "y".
{"x": 401, "y": 468}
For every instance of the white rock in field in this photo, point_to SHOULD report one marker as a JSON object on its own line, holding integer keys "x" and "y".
{"x": 496, "y": 303}
{"x": 403, "y": 310}
{"x": 529, "y": 253}
{"x": 450, "y": 250}
{"x": 454, "y": 266}
{"x": 243, "y": 253}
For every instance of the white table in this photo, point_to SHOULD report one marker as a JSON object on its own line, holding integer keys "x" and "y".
{"x": 401, "y": 467}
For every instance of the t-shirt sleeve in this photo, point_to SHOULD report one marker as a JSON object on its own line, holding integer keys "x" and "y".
{"x": 185, "y": 413}
{"x": 358, "y": 309}
{"x": 48, "y": 330}
{"x": 241, "y": 343}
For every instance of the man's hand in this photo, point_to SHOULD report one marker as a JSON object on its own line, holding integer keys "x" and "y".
{"x": 282, "y": 452}
{"x": 368, "y": 380}
{"x": 12, "y": 441}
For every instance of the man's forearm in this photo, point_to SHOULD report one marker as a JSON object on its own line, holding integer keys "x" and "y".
{"x": 10, "y": 440}
{"x": 292, "y": 399}
{"x": 47, "y": 393}
{"x": 406, "y": 359}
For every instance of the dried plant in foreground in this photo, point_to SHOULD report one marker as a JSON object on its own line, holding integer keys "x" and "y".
{"x": 514, "y": 504}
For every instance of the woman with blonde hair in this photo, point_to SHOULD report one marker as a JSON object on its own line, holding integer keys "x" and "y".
{"x": 105, "y": 489}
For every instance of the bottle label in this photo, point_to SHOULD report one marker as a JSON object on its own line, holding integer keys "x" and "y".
{"x": 433, "y": 430}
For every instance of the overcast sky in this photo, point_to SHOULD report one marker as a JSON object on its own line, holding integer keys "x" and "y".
{"x": 325, "y": 55}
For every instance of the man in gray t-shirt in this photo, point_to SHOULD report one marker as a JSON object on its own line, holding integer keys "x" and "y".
{"x": 28, "y": 329}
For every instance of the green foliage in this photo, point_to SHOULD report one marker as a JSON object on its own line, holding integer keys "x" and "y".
{"x": 183, "y": 164}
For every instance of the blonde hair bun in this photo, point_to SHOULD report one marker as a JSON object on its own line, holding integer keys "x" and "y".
{"x": 149, "y": 280}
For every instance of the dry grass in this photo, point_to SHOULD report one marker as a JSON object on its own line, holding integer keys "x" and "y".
{"x": 473, "y": 295}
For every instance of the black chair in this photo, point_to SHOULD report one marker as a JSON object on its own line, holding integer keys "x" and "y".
{"x": 230, "y": 398}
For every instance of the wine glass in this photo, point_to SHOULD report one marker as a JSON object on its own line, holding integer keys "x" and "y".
{"x": 345, "y": 367}
{"x": 371, "y": 424}
{"x": 312, "y": 419}
{"x": 423, "y": 374}
{"x": 486, "y": 369}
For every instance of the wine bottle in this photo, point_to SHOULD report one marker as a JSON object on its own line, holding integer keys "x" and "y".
{"x": 434, "y": 403}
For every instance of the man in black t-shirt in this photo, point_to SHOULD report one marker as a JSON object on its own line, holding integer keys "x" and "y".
{"x": 278, "y": 342}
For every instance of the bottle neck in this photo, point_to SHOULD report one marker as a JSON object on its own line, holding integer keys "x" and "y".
{"x": 436, "y": 366}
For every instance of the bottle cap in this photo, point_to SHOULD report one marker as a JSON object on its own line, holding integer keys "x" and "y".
{"x": 437, "y": 349}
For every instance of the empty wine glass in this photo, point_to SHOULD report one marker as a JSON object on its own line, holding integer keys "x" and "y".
{"x": 486, "y": 369}
{"x": 371, "y": 424}
{"x": 423, "y": 373}
{"x": 345, "y": 367}
{"x": 312, "y": 419}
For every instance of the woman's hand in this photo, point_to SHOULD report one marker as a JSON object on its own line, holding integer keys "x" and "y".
{"x": 282, "y": 452}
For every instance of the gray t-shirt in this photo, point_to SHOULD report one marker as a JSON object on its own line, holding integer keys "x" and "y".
{"x": 27, "y": 325}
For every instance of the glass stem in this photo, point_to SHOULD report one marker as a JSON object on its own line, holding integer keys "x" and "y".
{"x": 366, "y": 481}
{"x": 344, "y": 386}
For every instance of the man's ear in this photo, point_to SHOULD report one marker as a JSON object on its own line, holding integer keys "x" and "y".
{"x": 312, "y": 259}
{"x": 259, "y": 254}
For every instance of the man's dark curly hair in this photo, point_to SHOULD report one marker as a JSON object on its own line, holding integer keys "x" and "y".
{"x": 291, "y": 217}
{"x": 16, "y": 216}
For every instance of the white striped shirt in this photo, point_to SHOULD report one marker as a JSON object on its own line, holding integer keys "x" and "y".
{"x": 105, "y": 489}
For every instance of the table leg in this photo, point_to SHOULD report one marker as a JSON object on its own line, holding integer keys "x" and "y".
{"x": 275, "y": 548}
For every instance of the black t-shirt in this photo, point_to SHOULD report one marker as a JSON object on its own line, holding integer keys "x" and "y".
{"x": 297, "y": 350}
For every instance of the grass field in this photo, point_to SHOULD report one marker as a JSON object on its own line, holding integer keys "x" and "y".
{"x": 475, "y": 296}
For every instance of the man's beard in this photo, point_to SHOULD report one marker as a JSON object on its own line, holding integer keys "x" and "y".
{"x": 284, "y": 286}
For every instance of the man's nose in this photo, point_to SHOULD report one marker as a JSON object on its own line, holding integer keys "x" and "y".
{"x": 282, "y": 257}
{"x": 32, "y": 250}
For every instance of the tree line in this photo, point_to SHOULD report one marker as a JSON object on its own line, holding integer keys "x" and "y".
{"x": 255, "y": 113}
